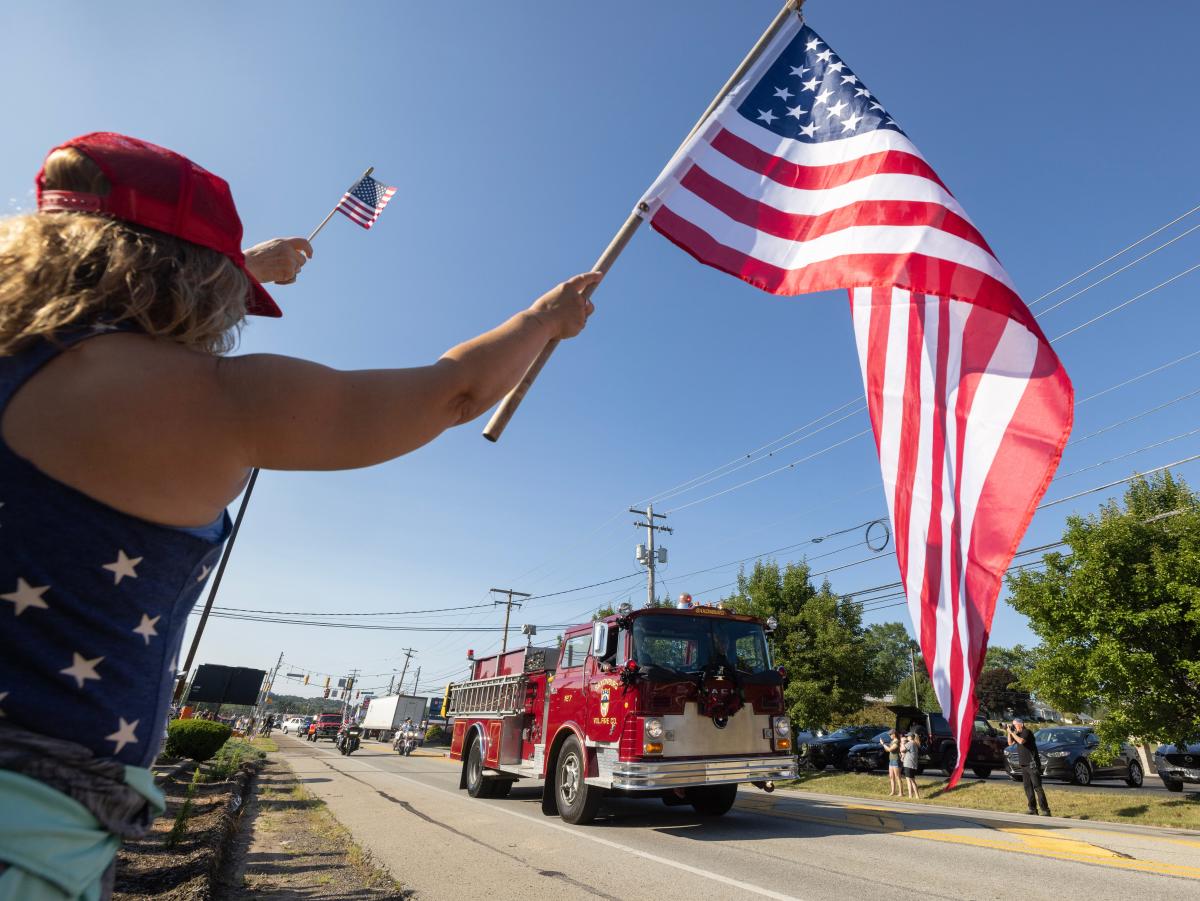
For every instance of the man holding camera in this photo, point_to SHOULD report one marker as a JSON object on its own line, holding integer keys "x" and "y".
{"x": 1031, "y": 765}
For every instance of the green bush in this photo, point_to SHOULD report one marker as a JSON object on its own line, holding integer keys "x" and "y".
{"x": 230, "y": 758}
{"x": 197, "y": 740}
{"x": 434, "y": 733}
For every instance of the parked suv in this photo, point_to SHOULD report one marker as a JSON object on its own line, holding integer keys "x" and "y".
{"x": 1066, "y": 753}
{"x": 1177, "y": 764}
{"x": 939, "y": 748}
{"x": 328, "y": 725}
{"x": 870, "y": 755}
{"x": 832, "y": 749}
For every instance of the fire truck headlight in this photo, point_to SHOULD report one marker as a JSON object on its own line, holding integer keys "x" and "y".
{"x": 654, "y": 729}
{"x": 781, "y": 733}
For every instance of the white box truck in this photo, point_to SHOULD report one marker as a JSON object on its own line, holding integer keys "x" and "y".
{"x": 385, "y": 715}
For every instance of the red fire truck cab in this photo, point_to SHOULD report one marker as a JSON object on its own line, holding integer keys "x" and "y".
{"x": 677, "y": 704}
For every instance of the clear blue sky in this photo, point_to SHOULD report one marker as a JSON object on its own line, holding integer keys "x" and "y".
{"x": 519, "y": 135}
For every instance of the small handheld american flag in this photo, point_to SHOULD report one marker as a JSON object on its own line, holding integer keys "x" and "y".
{"x": 365, "y": 201}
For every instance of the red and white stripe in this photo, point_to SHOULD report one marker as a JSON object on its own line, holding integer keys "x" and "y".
{"x": 969, "y": 404}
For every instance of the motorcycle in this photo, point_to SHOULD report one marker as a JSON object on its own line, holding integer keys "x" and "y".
{"x": 406, "y": 742}
{"x": 348, "y": 739}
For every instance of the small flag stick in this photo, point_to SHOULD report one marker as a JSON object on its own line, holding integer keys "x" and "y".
{"x": 500, "y": 419}
{"x": 316, "y": 231}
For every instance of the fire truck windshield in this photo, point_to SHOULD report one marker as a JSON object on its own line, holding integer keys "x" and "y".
{"x": 688, "y": 644}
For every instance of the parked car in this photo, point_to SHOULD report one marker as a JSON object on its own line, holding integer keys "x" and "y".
{"x": 1066, "y": 753}
{"x": 831, "y": 749}
{"x": 870, "y": 755}
{"x": 292, "y": 724}
{"x": 1178, "y": 764}
{"x": 939, "y": 747}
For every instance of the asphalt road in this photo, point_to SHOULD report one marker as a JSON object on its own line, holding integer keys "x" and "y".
{"x": 409, "y": 813}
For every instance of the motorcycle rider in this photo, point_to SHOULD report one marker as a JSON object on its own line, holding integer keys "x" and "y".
{"x": 406, "y": 738}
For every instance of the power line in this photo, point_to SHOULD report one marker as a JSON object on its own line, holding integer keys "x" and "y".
{"x": 1124, "y": 304}
{"x": 341, "y": 613}
{"x": 1136, "y": 475}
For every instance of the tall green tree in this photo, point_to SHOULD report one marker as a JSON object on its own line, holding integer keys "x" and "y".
{"x": 820, "y": 640}
{"x": 1119, "y": 615}
{"x": 999, "y": 690}
{"x": 1019, "y": 659}
{"x": 923, "y": 697}
{"x": 888, "y": 660}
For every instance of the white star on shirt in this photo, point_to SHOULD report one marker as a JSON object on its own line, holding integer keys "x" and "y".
{"x": 26, "y": 596}
{"x": 123, "y": 566}
{"x": 812, "y": 45}
{"x": 849, "y": 79}
{"x": 124, "y": 734}
{"x": 82, "y": 669}
{"x": 799, "y": 71}
{"x": 836, "y": 109}
{"x": 811, "y": 85}
{"x": 851, "y": 122}
{"x": 765, "y": 115}
{"x": 146, "y": 627}
{"x": 825, "y": 56}
{"x": 808, "y": 130}
{"x": 823, "y": 97}
{"x": 837, "y": 67}
{"x": 783, "y": 93}
{"x": 796, "y": 111}
{"x": 204, "y": 571}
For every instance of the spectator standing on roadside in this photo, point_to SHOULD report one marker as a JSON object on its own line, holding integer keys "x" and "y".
{"x": 892, "y": 746}
{"x": 910, "y": 755}
{"x": 126, "y": 431}
{"x": 1031, "y": 765}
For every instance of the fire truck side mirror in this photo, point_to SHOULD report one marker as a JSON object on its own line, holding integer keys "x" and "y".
{"x": 599, "y": 640}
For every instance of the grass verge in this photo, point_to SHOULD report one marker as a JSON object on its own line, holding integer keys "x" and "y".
{"x": 1111, "y": 806}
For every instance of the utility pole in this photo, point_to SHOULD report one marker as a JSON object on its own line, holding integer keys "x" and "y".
{"x": 912, "y": 662}
{"x": 417, "y": 681}
{"x": 350, "y": 682}
{"x": 391, "y": 681}
{"x": 647, "y": 554}
{"x": 408, "y": 652}
{"x": 508, "y": 605}
{"x": 267, "y": 686}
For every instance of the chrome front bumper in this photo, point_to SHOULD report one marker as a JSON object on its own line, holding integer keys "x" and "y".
{"x": 654, "y": 774}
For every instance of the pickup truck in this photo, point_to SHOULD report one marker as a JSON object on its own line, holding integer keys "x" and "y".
{"x": 327, "y": 726}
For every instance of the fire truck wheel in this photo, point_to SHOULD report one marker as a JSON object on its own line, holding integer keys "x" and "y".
{"x": 477, "y": 785}
{"x": 712, "y": 800}
{"x": 577, "y": 801}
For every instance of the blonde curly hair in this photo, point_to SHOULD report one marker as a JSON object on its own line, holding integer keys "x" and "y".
{"x": 61, "y": 271}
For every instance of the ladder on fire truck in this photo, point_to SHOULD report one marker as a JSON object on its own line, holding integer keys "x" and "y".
{"x": 498, "y": 696}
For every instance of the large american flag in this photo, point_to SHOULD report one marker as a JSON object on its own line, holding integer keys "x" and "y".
{"x": 365, "y": 201}
{"x": 800, "y": 181}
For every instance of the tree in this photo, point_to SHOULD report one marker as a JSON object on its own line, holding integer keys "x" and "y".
{"x": 1018, "y": 658}
{"x": 819, "y": 640}
{"x": 1119, "y": 615}
{"x": 925, "y": 698}
{"x": 888, "y": 660}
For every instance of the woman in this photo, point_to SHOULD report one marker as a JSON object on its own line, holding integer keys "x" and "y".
{"x": 892, "y": 746}
{"x": 910, "y": 753}
{"x": 124, "y": 433}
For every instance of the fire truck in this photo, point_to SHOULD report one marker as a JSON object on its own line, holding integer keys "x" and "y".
{"x": 678, "y": 704}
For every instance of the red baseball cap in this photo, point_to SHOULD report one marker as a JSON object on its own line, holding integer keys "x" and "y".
{"x": 161, "y": 190}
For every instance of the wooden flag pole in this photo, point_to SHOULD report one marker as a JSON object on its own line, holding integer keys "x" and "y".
{"x": 316, "y": 231}
{"x": 512, "y": 400}
{"x": 237, "y": 522}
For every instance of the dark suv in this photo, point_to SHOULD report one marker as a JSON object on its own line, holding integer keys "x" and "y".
{"x": 1177, "y": 764}
{"x": 831, "y": 749}
{"x": 1066, "y": 753}
{"x": 939, "y": 749}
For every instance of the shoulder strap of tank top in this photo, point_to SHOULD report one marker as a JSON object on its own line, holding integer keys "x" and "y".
{"x": 16, "y": 369}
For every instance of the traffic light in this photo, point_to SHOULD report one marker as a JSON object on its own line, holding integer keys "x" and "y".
{"x": 326, "y": 686}
{"x": 327, "y": 692}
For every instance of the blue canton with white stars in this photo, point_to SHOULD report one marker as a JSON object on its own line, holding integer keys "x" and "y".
{"x": 810, "y": 95}
{"x": 369, "y": 191}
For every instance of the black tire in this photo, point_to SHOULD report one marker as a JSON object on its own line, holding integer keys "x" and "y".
{"x": 1171, "y": 785}
{"x": 982, "y": 771}
{"x": 478, "y": 785}
{"x": 577, "y": 801}
{"x": 1081, "y": 773}
{"x": 949, "y": 761}
{"x": 1135, "y": 777}
{"x": 712, "y": 800}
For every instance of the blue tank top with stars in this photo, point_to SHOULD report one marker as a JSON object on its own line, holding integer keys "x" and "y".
{"x": 93, "y": 601}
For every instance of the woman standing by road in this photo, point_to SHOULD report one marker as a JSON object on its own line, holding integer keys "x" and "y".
{"x": 910, "y": 755}
{"x": 124, "y": 433}
{"x": 892, "y": 746}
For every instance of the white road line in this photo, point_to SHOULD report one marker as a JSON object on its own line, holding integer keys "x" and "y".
{"x": 580, "y": 833}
